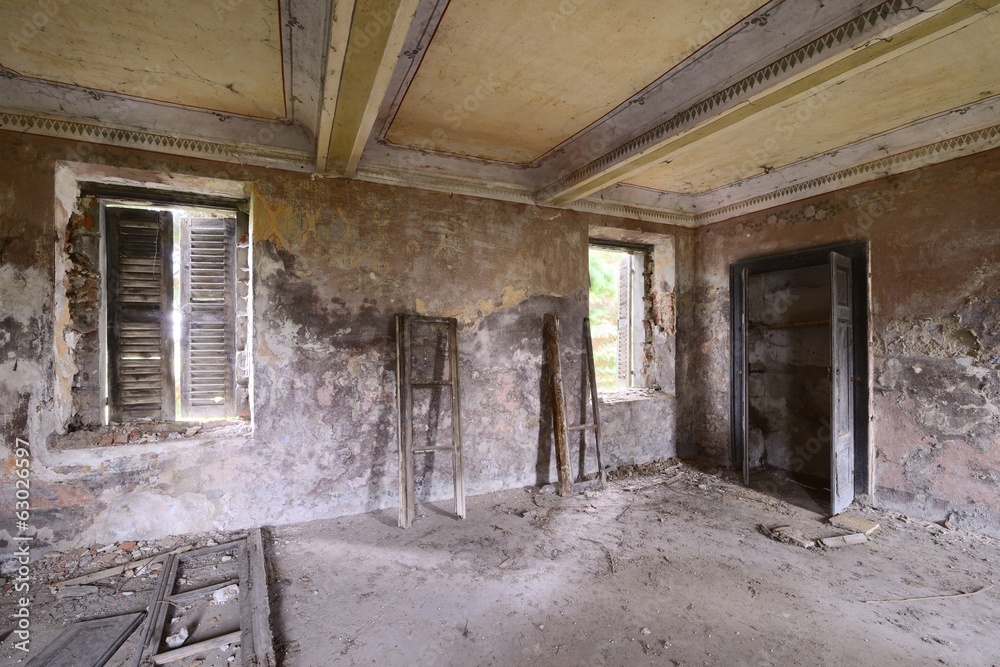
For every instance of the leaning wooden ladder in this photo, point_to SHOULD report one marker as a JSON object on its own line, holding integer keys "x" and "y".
{"x": 560, "y": 429}
{"x": 404, "y": 399}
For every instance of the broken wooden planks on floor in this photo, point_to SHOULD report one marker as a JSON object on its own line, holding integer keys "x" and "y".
{"x": 560, "y": 428}
{"x": 119, "y": 569}
{"x": 88, "y": 643}
{"x": 254, "y": 635}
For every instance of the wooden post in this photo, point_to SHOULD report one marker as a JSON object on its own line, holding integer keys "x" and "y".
{"x": 558, "y": 405}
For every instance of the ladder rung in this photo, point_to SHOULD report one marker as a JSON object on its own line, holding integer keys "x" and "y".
{"x": 436, "y": 448}
{"x": 431, "y": 383}
{"x": 581, "y": 427}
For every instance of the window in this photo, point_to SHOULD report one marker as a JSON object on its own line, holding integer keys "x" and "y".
{"x": 171, "y": 310}
{"x": 617, "y": 309}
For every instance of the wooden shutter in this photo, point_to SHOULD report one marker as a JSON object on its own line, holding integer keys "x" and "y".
{"x": 625, "y": 321}
{"x": 140, "y": 287}
{"x": 208, "y": 293}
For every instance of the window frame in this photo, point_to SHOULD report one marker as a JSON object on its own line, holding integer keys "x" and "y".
{"x": 632, "y": 374}
{"x": 238, "y": 403}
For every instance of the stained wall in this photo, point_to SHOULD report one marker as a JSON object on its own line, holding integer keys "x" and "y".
{"x": 333, "y": 262}
{"x": 934, "y": 242}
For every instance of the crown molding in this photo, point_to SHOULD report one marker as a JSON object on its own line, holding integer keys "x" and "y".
{"x": 815, "y": 63}
{"x": 174, "y": 144}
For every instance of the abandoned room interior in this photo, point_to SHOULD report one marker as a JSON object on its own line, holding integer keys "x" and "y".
{"x": 470, "y": 332}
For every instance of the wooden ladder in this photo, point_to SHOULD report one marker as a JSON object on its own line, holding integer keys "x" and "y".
{"x": 405, "y": 384}
{"x": 561, "y": 430}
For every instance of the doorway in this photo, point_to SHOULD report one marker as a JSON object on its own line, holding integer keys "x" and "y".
{"x": 799, "y": 377}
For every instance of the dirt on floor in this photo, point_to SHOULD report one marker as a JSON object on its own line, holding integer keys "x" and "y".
{"x": 669, "y": 564}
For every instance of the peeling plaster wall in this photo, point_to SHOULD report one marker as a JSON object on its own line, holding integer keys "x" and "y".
{"x": 934, "y": 241}
{"x": 334, "y": 261}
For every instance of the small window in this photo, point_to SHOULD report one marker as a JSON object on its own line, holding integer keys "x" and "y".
{"x": 617, "y": 307}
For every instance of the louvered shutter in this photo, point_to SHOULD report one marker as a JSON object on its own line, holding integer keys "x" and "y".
{"x": 140, "y": 286}
{"x": 624, "y": 321}
{"x": 207, "y": 301}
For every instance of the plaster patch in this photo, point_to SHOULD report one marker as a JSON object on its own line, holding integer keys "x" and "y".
{"x": 153, "y": 516}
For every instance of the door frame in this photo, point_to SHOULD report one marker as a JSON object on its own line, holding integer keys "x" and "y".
{"x": 739, "y": 273}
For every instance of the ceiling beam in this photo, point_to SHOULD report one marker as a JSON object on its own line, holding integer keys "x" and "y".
{"x": 377, "y": 32}
{"x": 341, "y": 12}
{"x": 686, "y": 128}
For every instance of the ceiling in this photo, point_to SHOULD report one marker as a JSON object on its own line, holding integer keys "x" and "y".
{"x": 677, "y": 111}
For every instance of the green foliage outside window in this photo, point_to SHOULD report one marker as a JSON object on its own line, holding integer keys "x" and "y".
{"x": 604, "y": 314}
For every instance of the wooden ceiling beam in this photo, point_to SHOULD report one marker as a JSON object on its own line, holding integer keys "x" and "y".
{"x": 358, "y": 76}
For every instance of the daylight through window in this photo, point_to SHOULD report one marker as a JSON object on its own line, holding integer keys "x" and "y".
{"x": 172, "y": 313}
{"x": 617, "y": 291}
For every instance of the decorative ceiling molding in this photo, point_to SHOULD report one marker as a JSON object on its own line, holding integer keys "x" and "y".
{"x": 942, "y": 151}
{"x": 450, "y": 184}
{"x": 948, "y": 149}
{"x": 798, "y": 71}
{"x": 265, "y": 156}
{"x": 476, "y": 188}
{"x": 50, "y": 101}
{"x": 757, "y": 41}
{"x": 943, "y": 126}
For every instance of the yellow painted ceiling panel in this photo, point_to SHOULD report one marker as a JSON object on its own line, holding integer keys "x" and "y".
{"x": 511, "y": 79}
{"x": 953, "y": 70}
{"x": 223, "y": 55}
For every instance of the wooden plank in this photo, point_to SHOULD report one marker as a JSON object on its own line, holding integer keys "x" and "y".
{"x": 213, "y": 549}
{"x": 404, "y": 404}
{"x": 120, "y": 569}
{"x": 551, "y": 335}
{"x": 595, "y": 406}
{"x": 88, "y": 643}
{"x": 156, "y": 616}
{"x": 194, "y": 649}
{"x": 456, "y": 420}
{"x": 199, "y": 592}
{"x": 582, "y": 427}
{"x": 246, "y": 608}
{"x": 260, "y": 619}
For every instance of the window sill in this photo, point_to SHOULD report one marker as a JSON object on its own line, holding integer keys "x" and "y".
{"x": 632, "y": 395}
{"x": 143, "y": 436}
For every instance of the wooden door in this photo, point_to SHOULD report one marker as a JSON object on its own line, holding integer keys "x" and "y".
{"x": 842, "y": 394}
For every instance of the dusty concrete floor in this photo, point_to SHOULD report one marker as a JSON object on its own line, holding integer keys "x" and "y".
{"x": 667, "y": 567}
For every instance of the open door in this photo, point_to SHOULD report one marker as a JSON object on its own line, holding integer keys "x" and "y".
{"x": 743, "y": 372}
{"x": 841, "y": 373}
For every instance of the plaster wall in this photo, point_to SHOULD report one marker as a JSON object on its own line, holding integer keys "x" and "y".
{"x": 333, "y": 262}
{"x": 934, "y": 240}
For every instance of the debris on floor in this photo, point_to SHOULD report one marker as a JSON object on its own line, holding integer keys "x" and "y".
{"x": 854, "y": 523}
{"x": 177, "y": 639}
{"x": 844, "y": 540}
{"x": 638, "y": 571}
{"x": 788, "y": 535}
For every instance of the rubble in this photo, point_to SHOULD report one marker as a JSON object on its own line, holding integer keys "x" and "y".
{"x": 145, "y": 431}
